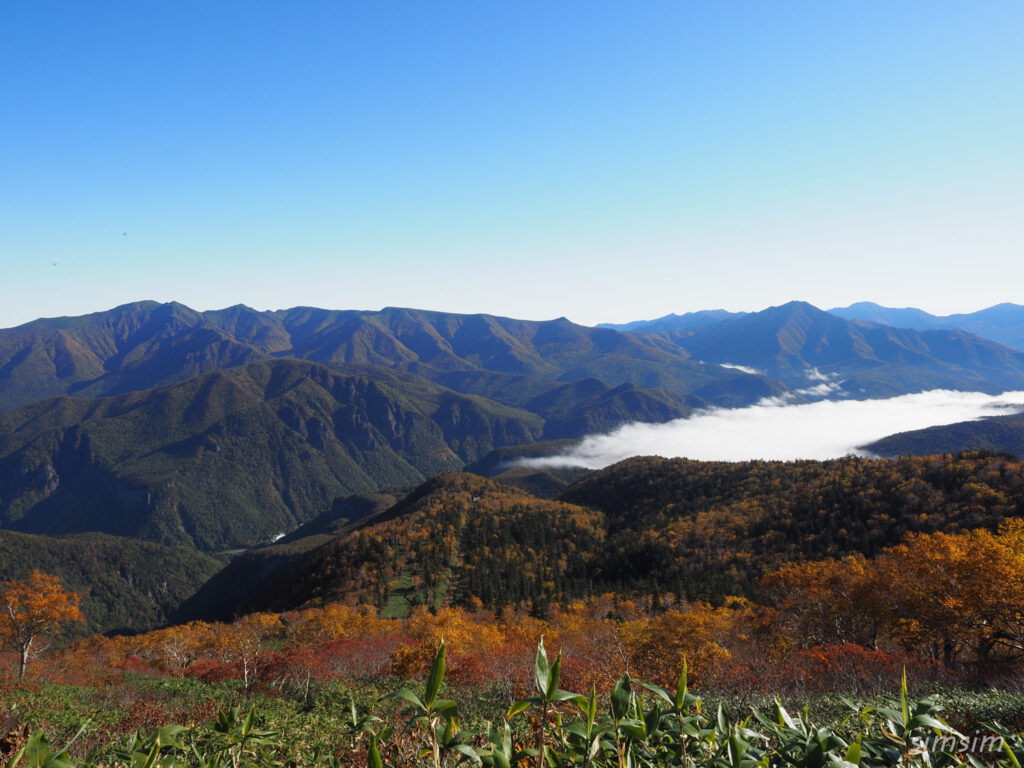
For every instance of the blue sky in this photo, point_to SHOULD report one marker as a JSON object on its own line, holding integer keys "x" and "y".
{"x": 602, "y": 161}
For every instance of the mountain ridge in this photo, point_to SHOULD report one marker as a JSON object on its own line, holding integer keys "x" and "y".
{"x": 812, "y": 351}
{"x": 145, "y": 344}
{"x": 1002, "y": 323}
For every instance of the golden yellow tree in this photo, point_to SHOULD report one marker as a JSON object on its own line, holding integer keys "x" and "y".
{"x": 242, "y": 641}
{"x": 33, "y": 607}
{"x": 698, "y": 635}
{"x": 174, "y": 648}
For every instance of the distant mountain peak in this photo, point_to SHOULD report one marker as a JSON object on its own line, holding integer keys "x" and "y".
{"x": 796, "y": 305}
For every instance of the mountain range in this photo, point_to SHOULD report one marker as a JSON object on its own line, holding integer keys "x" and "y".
{"x": 143, "y": 345}
{"x": 197, "y": 433}
{"x": 223, "y": 429}
{"x": 817, "y": 353}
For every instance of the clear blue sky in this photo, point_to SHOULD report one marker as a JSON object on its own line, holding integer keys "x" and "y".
{"x": 602, "y": 161}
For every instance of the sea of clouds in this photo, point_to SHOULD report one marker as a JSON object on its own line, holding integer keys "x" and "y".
{"x": 773, "y": 429}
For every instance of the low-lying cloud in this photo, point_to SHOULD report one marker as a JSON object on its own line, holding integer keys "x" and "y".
{"x": 742, "y": 368}
{"x": 774, "y": 430}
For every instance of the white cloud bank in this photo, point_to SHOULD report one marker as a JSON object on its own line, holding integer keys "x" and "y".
{"x": 743, "y": 368}
{"x": 773, "y": 430}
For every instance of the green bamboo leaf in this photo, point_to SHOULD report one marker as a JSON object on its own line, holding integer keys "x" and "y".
{"x": 622, "y": 693}
{"x": 652, "y": 719}
{"x": 436, "y": 676}
{"x": 147, "y": 761}
{"x": 560, "y": 695}
{"x": 17, "y": 756}
{"x": 1010, "y": 755}
{"x": 446, "y": 708}
{"x": 634, "y": 729}
{"x": 889, "y": 714}
{"x": 467, "y": 751}
{"x": 541, "y": 670}
{"x": 520, "y": 706}
{"x": 553, "y": 674}
{"x": 660, "y": 692}
{"x": 168, "y": 735}
{"x": 38, "y": 754}
{"x": 853, "y": 753}
{"x": 373, "y": 757}
{"x": 927, "y": 721}
{"x": 782, "y": 716}
{"x": 411, "y": 697}
{"x": 737, "y": 749}
{"x": 496, "y": 759}
{"x": 903, "y": 698}
{"x": 680, "y": 701}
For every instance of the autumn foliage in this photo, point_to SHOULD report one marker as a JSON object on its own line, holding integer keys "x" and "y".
{"x": 942, "y": 605}
{"x": 957, "y": 599}
{"x": 32, "y": 608}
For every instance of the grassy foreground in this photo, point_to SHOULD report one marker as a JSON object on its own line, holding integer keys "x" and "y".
{"x": 184, "y": 722}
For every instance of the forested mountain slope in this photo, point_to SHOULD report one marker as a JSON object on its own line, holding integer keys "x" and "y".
{"x": 127, "y": 585}
{"x": 704, "y": 530}
{"x": 1001, "y": 434}
{"x": 234, "y": 457}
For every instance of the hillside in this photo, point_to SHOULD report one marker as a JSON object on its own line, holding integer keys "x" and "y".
{"x": 456, "y": 537}
{"x": 712, "y": 528}
{"x": 703, "y": 530}
{"x": 235, "y": 457}
{"x": 1001, "y": 434}
{"x": 128, "y": 585}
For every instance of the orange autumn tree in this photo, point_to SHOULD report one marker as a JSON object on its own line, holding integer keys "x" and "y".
{"x": 957, "y": 594}
{"x": 32, "y": 607}
{"x": 828, "y": 602}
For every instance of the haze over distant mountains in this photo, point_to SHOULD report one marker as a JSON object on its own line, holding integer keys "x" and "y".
{"x": 1002, "y": 323}
{"x": 811, "y": 352}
